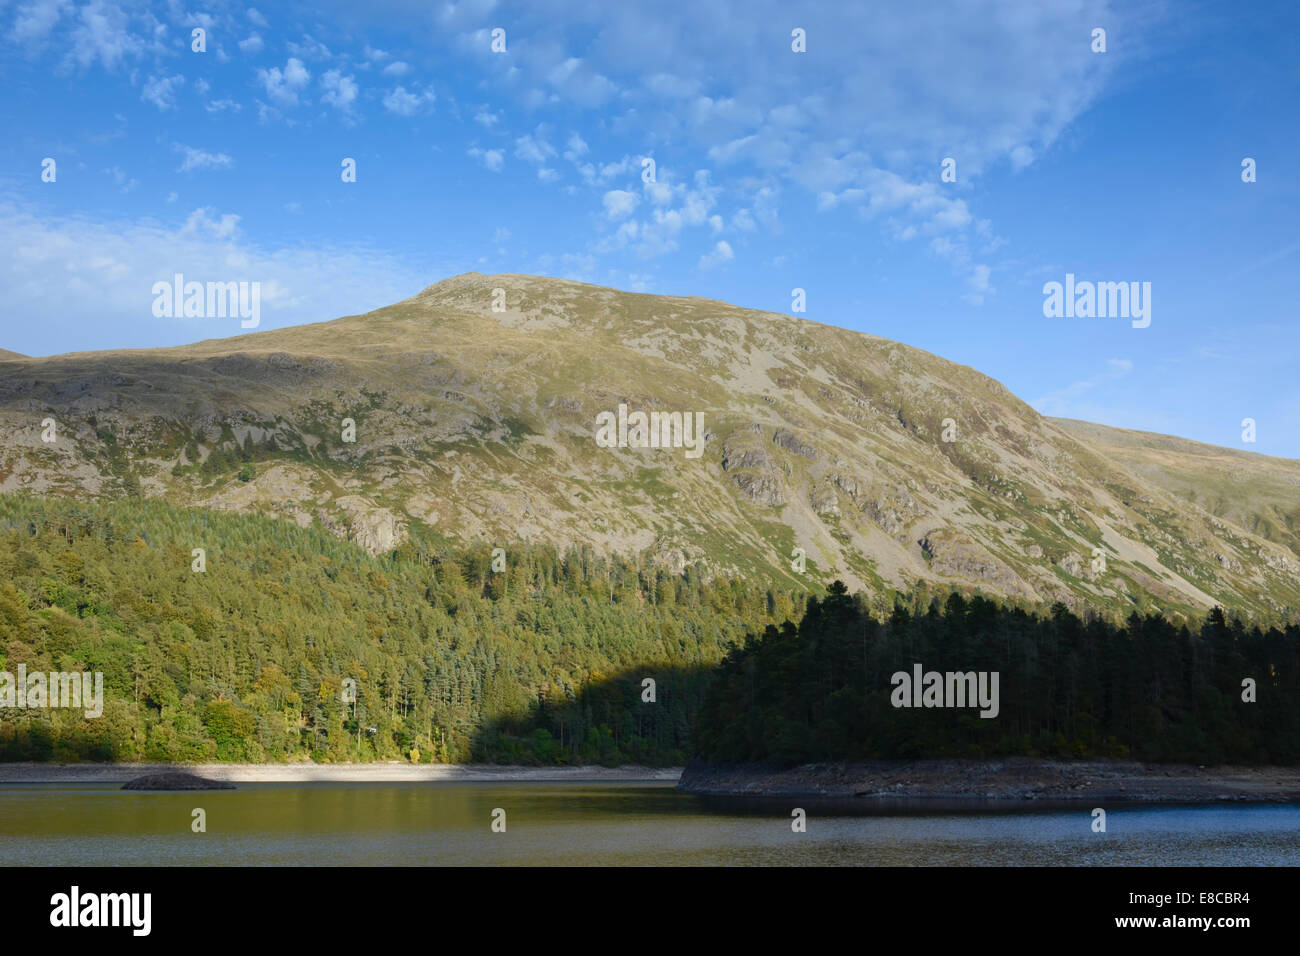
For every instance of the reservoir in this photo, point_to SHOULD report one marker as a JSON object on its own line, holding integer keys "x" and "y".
{"x": 600, "y": 823}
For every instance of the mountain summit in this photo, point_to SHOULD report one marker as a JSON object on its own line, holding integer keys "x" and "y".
{"x": 474, "y": 409}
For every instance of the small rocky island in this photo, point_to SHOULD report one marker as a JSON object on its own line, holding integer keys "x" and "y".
{"x": 175, "y": 781}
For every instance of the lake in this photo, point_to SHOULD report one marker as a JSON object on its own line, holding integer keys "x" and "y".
{"x": 612, "y": 823}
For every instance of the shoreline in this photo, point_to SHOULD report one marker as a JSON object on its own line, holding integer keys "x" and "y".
{"x": 384, "y": 772}
{"x": 1019, "y": 781}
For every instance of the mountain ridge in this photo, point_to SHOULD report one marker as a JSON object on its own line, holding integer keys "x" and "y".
{"x": 478, "y": 423}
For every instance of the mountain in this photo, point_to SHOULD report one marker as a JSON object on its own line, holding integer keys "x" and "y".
{"x": 482, "y": 426}
{"x": 1256, "y": 492}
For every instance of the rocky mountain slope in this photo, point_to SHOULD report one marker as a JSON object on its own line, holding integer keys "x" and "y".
{"x": 877, "y": 463}
{"x": 1256, "y": 492}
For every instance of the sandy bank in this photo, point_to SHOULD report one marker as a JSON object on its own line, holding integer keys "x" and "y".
{"x": 327, "y": 773}
{"x": 1016, "y": 780}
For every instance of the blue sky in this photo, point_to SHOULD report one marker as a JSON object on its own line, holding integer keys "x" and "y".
{"x": 774, "y": 170}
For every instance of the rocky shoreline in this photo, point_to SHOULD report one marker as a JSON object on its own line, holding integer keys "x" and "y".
{"x": 1011, "y": 781}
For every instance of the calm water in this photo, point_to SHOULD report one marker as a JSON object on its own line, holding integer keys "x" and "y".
{"x": 596, "y": 823}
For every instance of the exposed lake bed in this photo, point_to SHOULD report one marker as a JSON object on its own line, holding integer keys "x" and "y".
{"x": 990, "y": 783}
{"x": 306, "y": 772}
{"x": 954, "y": 783}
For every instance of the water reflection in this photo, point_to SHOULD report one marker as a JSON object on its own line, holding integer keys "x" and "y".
{"x": 606, "y": 823}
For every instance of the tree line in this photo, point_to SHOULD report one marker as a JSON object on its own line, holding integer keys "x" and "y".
{"x": 541, "y": 662}
{"x": 1145, "y": 688}
{"x": 540, "y": 656}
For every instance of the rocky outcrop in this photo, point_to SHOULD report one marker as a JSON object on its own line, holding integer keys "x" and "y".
{"x": 1070, "y": 563}
{"x": 953, "y": 554}
{"x": 824, "y": 501}
{"x": 175, "y": 781}
{"x": 791, "y": 442}
{"x": 760, "y": 488}
{"x": 751, "y": 468}
{"x": 374, "y": 528}
{"x": 888, "y": 519}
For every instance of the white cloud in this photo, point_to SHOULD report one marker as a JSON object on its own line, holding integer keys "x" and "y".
{"x": 161, "y": 91}
{"x": 717, "y": 256}
{"x": 200, "y": 159}
{"x": 67, "y": 268}
{"x": 671, "y": 87}
{"x": 619, "y": 203}
{"x": 340, "y": 90}
{"x": 575, "y": 80}
{"x": 1021, "y": 157}
{"x": 102, "y": 34}
{"x": 201, "y": 223}
{"x": 912, "y": 210}
{"x": 309, "y": 49}
{"x": 251, "y": 44}
{"x": 492, "y": 159}
{"x": 675, "y": 207}
{"x": 625, "y": 234}
{"x": 659, "y": 193}
{"x": 405, "y": 103}
{"x": 397, "y": 68}
{"x": 978, "y": 281}
{"x": 858, "y": 123}
{"x": 533, "y": 150}
{"x": 575, "y": 148}
{"x": 283, "y": 86}
{"x": 34, "y": 21}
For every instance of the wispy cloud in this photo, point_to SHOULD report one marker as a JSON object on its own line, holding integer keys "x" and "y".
{"x": 66, "y": 267}
{"x": 493, "y": 159}
{"x": 195, "y": 159}
{"x": 403, "y": 102}
{"x": 161, "y": 91}
{"x": 1064, "y": 402}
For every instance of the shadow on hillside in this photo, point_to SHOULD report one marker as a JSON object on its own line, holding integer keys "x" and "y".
{"x": 614, "y": 720}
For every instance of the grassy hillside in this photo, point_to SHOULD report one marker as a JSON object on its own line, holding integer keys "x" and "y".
{"x": 829, "y": 454}
{"x": 1255, "y": 492}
